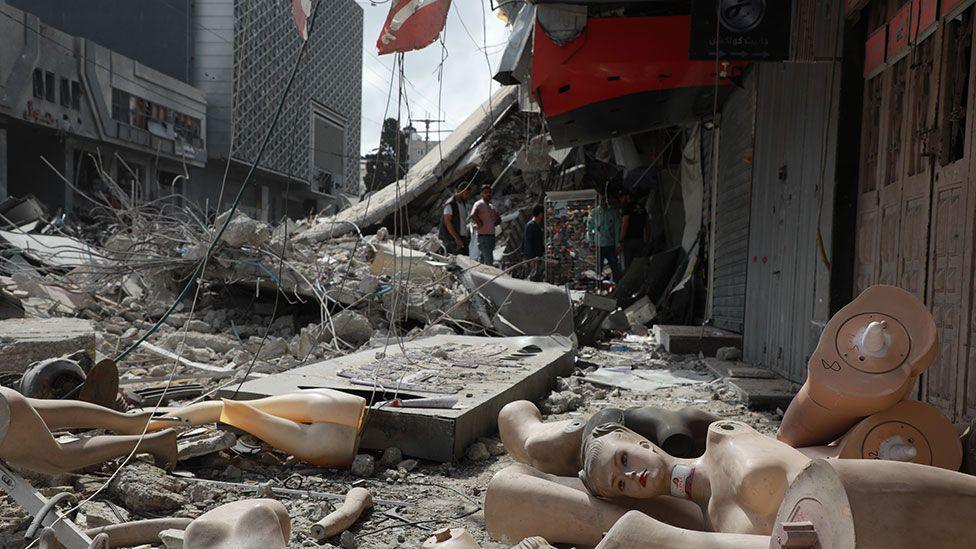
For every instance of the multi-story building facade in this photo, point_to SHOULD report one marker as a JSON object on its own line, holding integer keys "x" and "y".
{"x": 94, "y": 115}
{"x": 239, "y": 54}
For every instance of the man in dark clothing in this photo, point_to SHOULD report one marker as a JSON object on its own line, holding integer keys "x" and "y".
{"x": 533, "y": 245}
{"x": 633, "y": 226}
{"x": 453, "y": 229}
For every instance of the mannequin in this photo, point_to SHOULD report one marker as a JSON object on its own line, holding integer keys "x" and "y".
{"x": 636, "y": 530}
{"x": 877, "y": 504}
{"x": 910, "y": 431}
{"x": 522, "y": 502}
{"x": 868, "y": 358}
{"x": 738, "y": 483}
{"x": 322, "y": 444}
{"x": 246, "y": 524}
{"x": 26, "y": 440}
{"x": 451, "y": 538}
{"x": 554, "y": 448}
{"x": 357, "y": 500}
{"x": 308, "y": 406}
{"x": 330, "y": 439}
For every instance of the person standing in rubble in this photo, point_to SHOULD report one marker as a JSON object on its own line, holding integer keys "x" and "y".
{"x": 486, "y": 218}
{"x": 603, "y": 229}
{"x": 633, "y": 226}
{"x": 453, "y": 229}
{"x": 533, "y": 244}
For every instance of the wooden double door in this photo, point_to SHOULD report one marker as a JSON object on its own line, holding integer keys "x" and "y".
{"x": 916, "y": 197}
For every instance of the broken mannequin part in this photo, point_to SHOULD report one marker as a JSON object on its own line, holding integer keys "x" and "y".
{"x": 535, "y": 542}
{"x": 522, "y": 502}
{"x": 357, "y": 501}
{"x": 451, "y": 538}
{"x": 323, "y": 444}
{"x": 554, "y": 447}
{"x": 877, "y": 504}
{"x": 246, "y": 524}
{"x": 139, "y": 532}
{"x": 868, "y": 358}
{"x": 26, "y": 440}
{"x": 740, "y": 480}
{"x": 308, "y": 406}
{"x": 635, "y": 529}
{"x": 910, "y": 431}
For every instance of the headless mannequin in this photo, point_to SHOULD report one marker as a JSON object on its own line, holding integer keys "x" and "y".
{"x": 738, "y": 483}
{"x": 522, "y": 502}
{"x": 877, "y": 505}
{"x": 329, "y": 440}
{"x": 554, "y": 447}
{"x": 26, "y": 440}
{"x": 246, "y": 524}
{"x": 868, "y": 358}
{"x": 639, "y": 530}
{"x": 909, "y": 431}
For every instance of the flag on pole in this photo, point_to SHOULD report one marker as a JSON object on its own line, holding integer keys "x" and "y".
{"x": 301, "y": 10}
{"x": 412, "y": 25}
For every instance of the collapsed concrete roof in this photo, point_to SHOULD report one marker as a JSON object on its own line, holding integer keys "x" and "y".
{"x": 429, "y": 174}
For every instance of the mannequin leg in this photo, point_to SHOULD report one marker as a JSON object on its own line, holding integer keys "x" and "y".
{"x": 636, "y": 529}
{"x": 28, "y": 443}
{"x": 74, "y": 414}
{"x": 322, "y": 444}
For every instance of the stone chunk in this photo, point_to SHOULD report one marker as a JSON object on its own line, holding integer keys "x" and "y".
{"x": 352, "y": 327}
{"x": 205, "y": 443}
{"x": 728, "y": 353}
{"x": 560, "y": 403}
{"x": 363, "y": 466}
{"x": 478, "y": 452}
{"x": 99, "y": 513}
{"x": 172, "y": 539}
{"x": 24, "y": 341}
{"x": 144, "y": 488}
{"x": 391, "y": 456}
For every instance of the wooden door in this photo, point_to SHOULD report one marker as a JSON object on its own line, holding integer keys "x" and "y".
{"x": 948, "y": 249}
{"x": 894, "y": 105}
{"x": 866, "y": 244}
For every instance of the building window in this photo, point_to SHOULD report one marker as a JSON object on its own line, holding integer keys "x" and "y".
{"x": 186, "y": 127}
{"x": 328, "y": 152}
{"x": 65, "y": 93}
{"x": 120, "y": 106}
{"x": 39, "y": 83}
{"x": 50, "y": 92}
{"x": 75, "y": 95}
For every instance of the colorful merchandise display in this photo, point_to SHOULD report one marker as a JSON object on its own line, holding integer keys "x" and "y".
{"x": 570, "y": 258}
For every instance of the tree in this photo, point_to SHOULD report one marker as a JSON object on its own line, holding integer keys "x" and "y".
{"x": 389, "y": 162}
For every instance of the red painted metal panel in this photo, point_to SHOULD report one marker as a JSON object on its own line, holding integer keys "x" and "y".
{"x": 618, "y": 56}
{"x": 924, "y": 15}
{"x": 874, "y": 52}
{"x": 948, "y": 6}
{"x": 898, "y": 35}
{"x": 412, "y": 25}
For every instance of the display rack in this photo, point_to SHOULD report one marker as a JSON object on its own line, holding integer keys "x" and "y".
{"x": 569, "y": 256}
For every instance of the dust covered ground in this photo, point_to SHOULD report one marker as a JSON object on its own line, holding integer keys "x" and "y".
{"x": 433, "y": 495}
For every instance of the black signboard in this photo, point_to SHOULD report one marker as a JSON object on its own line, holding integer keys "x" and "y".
{"x": 747, "y": 30}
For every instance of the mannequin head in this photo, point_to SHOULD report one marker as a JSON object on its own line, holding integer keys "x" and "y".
{"x": 618, "y": 462}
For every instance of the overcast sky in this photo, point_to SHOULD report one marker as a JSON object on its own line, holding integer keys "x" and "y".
{"x": 466, "y": 74}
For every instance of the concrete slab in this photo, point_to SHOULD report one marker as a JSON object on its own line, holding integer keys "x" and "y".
{"x": 24, "y": 341}
{"x": 483, "y": 374}
{"x": 763, "y": 394}
{"x": 688, "y": 340}
{"x": 725, "y": 368}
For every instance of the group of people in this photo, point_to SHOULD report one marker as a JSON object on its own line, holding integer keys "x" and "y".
{"x": 619, "y": 233}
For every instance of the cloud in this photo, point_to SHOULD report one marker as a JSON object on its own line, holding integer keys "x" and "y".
{"x": 466, "y": 74}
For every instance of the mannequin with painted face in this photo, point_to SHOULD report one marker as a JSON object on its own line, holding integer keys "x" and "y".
{"x": 738, "y": 483}
{"x": 554, "y": 447}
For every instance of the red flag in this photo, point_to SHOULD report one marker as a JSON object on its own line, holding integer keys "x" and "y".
{"x": 301, "y": 10}
{"x": 412, "y": 25}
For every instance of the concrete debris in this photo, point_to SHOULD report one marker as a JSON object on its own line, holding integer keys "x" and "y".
{"x": 99, "y": 513}
{"x": 363, "y": 466}
{"x": 243, "y": 231}
{"x": 560, "y": 403}
{"x": 348, "y": 540}
{"x": 730, "y": 354}
{"x": 26, "y": 341}
{"x": 407, "y": 465}
{"x": 477, "y": 452}
{"x": 148, "y": 489}
{"x": 172, "y": 538}
{"x": 203, "y": 443}
{"x": 352, "y": 327}
{"x": 391, "y": 457}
